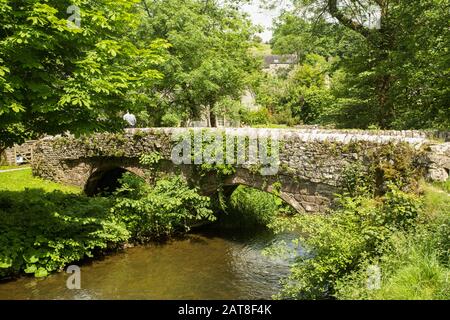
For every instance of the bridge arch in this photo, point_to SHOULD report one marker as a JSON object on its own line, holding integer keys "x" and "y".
{"x": 228, "y": 191}
{"x": 303, "y": 196}
{"x": 105, "y": 180}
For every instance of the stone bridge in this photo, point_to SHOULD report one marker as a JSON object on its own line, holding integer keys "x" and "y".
{"x": 311, "y": 165}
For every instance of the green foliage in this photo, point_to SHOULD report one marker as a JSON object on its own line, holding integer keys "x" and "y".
{"x": 339, "y": 243}
{"x": 303, "y": 96}
{"x": 42, "y": 232}
{"x": 230, "y": 109}
{"x": 251, "y": 207}
{"x": 258, "y": 117}
{"x": 293, "y": 35}
{"x": 390, "y": 163}
{"x": 55, "y": 76}
{"x": 356, "y": 180}
{"x": 212, "y": 152}
{"x": 379, "y": 76}
{"x": 209, "y": 59}
{"x": 412, "y": 271}
{"x": 405, "y": 236}
{"x": 171, "y": 120}
{"x": 150, "y": 159}
{"x": 417, "y": 266}
{"x": 308, "y": 94}
{"x": 160, "y": 211}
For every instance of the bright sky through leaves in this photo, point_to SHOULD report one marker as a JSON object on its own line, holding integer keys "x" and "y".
{"x": 263, "y": 17}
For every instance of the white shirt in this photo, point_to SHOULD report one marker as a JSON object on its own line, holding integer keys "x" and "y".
{"x": 130, "y": 118}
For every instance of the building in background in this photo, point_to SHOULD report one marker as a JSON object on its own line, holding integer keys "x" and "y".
{"x": 274, "y": 63}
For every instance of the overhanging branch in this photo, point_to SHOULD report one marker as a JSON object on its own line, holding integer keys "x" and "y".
{"x": 349, "y": 23}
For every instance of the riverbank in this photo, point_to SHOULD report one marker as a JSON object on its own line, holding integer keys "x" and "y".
{"x": 63, "y": 227}
{"x": 402, "y": 237}
{"x": 390, "y": 247}
{"x": 208, "y": 263}
{"x": 45, "y": 226}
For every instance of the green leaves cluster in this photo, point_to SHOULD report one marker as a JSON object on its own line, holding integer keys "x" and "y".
{"x": 160, "y": 211}
{"x": 249, "y": 207}
{"x": 416, "y": 266}
{"x": 335, "y": 245}
{"x": 392, "y": 77}
{"x": 300, "y": 95}
{"x": 55, "y": 76}
{"x": 209, "y": 61}
{"x": 43, "y": 232}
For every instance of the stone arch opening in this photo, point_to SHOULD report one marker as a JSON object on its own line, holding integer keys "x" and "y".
{"x": 270, "y": 187}
{"x": 248, "y": 207}
{"x": 229, "y": 189}
{"x": 104, "y": 181}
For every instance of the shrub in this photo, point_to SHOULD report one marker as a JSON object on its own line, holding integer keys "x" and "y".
{"x": 42, "y": 232}
{"x": 339, "y": 243}
{"x": 252, "y": 207}
{"x": 259, "y": 117}
{"x": 171, "y": 120}
{"x": 411, "y": 270}
{"x": 160, "y": 211}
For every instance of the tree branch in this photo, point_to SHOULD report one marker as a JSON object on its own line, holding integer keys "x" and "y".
{"x": 349, "y": 23}
{"x": 380, "y": 3}
{"x": 144, "y": 3}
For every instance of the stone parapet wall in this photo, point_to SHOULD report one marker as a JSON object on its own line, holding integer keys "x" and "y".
{"x": 311, "y": 167}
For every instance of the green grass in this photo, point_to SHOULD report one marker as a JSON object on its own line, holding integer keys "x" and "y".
{"x": 420, "y": 276}
{"x": 420, "y": 269}
{"x": 443, "y": 185}
{"x": 21, "y": 180}
{"x": 437, "y": 202}
{"x": 418, "y": 265}
{"x": 10, "y": 167}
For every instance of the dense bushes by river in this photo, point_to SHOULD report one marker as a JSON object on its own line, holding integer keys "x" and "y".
{"x": 395, "y": 246}
{"x": 41, "y": 232}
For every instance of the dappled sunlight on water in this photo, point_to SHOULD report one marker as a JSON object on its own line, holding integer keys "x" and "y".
{"x": 212, "y": 264}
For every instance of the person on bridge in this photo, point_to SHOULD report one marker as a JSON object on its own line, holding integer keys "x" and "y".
{"x": 130, "y": 119}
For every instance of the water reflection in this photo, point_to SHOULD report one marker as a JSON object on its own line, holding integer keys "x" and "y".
{"x": 211, "y": 264}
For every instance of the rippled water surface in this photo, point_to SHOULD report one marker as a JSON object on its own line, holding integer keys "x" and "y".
{"x": 212, "y": 264}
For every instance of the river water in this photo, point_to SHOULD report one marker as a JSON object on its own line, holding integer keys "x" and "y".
{"x": 208, "y": 264}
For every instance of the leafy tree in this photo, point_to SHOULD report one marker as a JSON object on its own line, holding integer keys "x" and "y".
{"x": 303, "y": 96}
{"x": 395, "y": 67}
{"x": 209, "y": 55}
{"x": 294, "y": 34}
{"x": 57, "y": 76}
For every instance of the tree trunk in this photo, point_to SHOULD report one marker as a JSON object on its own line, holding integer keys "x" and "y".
{"x": 2, "y": 155}
{"x": 212, "y": 119}
{"x": 382, "y": 40}
{"x": 385, "y": 105}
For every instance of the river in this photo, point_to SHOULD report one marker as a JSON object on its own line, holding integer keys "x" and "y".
{"x": 207, "y": 264}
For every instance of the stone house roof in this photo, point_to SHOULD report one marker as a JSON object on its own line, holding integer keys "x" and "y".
{"x": 279, "y": 59}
